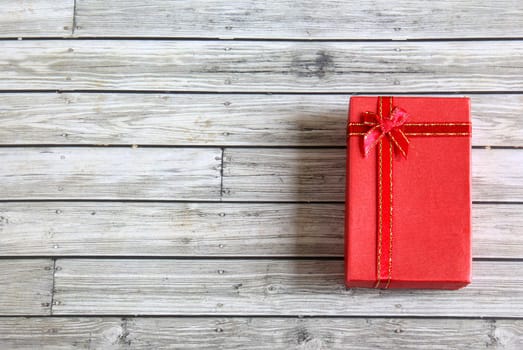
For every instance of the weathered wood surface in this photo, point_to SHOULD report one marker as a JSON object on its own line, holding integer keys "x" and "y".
{"x": 258, "y": 333}
{"x": 36, "y": 18}
{"x": 262, "y": 66}
{"x": 171, "y": 229}
{"x": 496, "y": 230}
{"x": 25, "y": 287}
{"x": 292, "y": 174}
{"x": 167, "y": 231}
{"x": 110, "y": 173}
{"x": 267, "y": 287}
{"x": 215, "y": 119}
{"x": 306, "y": 19}
{"x": 213, "y": 229}
{"x": 286, "y": 174}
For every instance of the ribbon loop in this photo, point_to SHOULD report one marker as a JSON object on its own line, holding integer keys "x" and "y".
{"x": 389, "y": 126}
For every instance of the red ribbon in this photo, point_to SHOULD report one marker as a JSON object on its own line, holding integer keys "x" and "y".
{"x": 388, "y": 130}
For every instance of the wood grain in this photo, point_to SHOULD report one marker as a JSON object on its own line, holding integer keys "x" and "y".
{"x": 26, "y": 286}
{"x": 305, "y": 19}
{"x": 110, "y": 173}
{"x": 292, "y": 174}
{"x": 36, "y": 18}
{"x": 213, "y": 229}
{"x": 171, "y": 229}
{"x": 214, "y": 119}
{"x": 267, "y": 287}
{"x": 128, "y": 225}
{"x": 211, "y": 333}
{"x": 286, "y": 174}
{"x": 495, "y": 229}
{"x": 262, "y": 66}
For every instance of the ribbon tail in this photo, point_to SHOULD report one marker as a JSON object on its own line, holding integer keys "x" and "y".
{"x": 400, "y": 141}
{"x": 370, "y": 139}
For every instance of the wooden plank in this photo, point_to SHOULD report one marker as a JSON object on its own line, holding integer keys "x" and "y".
{"x": 291, "y": 174}
{"x": 257, "y": 333}
{"x": 214, "y": 119}
{"x": 305, "y": 19}
{"x": 263, "y": 66}
{"x": 212, "y": 229}
{"x": 110, "y": 173}
{"x": 58, "y": 333}
{"x": 284, "y": 174}
{"x": 497, "y": 175}
{"x": 171, "y": 229}
{"x": 325, "y": 333}
{"x": 194, "y": 173}
{"x": 26, "y": 286}
{"x": 267, "y": 287}
{"x": 497, "y": 228}
{"x": 36, "y": 18}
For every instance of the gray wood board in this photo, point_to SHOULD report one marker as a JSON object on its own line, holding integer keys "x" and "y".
{"x": 249, "y": 174}
{"x": 106, "y": 173}
{"x": 267, "y": 287}
{"x": 36, "y": 18}
{"x": 262, "y": 66}
{"x": 293, "y": 174}
{"x": 305, "y": 19}
{"x": 63, "y": 333}
{"x": 215, "y": 119}
{"x": 213, "y": 229}
{"x": 26, "y": 286}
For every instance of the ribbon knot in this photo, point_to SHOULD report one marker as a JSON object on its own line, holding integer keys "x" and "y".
{"x": 386, "y": 126}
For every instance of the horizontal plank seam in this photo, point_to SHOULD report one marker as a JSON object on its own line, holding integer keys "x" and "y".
{"x": 270, "y": 93}
{"x": 275, "y": 316}
{"x": 207, "y": 146}
{"x": 212, "y": 257}
{"x": 80, "y": 200}
{"x": 250, "y": 39}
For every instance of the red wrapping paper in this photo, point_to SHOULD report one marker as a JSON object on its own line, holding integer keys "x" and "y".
{"x": 426, "y": 244}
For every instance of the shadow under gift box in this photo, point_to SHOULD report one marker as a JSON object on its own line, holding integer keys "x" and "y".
{"x": 427, "y": 243}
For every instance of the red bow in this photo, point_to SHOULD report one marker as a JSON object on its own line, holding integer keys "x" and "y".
{"x": 390, "y": 126}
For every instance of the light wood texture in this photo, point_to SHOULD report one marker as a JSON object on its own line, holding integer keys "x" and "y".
{"x": 292, "y": 174}
{"x": 213, "y": 229}
{"x": 267, "y": 287}
{"x": 26, "y": 287}
{"x": 497, "y": 228}
{"x": 258, "y": 333}
{"x": 36, "y": 18}
{"x": 110, "y": 173}
{"x": 215, "y": 119}
{"x": 194, "y": 173}
{"x": 182, "y": 219}
{"x": 263, "y": 66}
{"x": 497, "y": 176}
{"x": 171, "y": 229}
{"x": 288, "y": 174}
{"x": 56, "y": 333}
{"x": 306, "y": 19}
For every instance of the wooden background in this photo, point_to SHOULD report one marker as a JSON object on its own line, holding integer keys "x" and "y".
{"x": 172, "y": 172}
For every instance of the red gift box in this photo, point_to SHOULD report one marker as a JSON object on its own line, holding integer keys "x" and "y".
{"x": 408, "y": 193}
